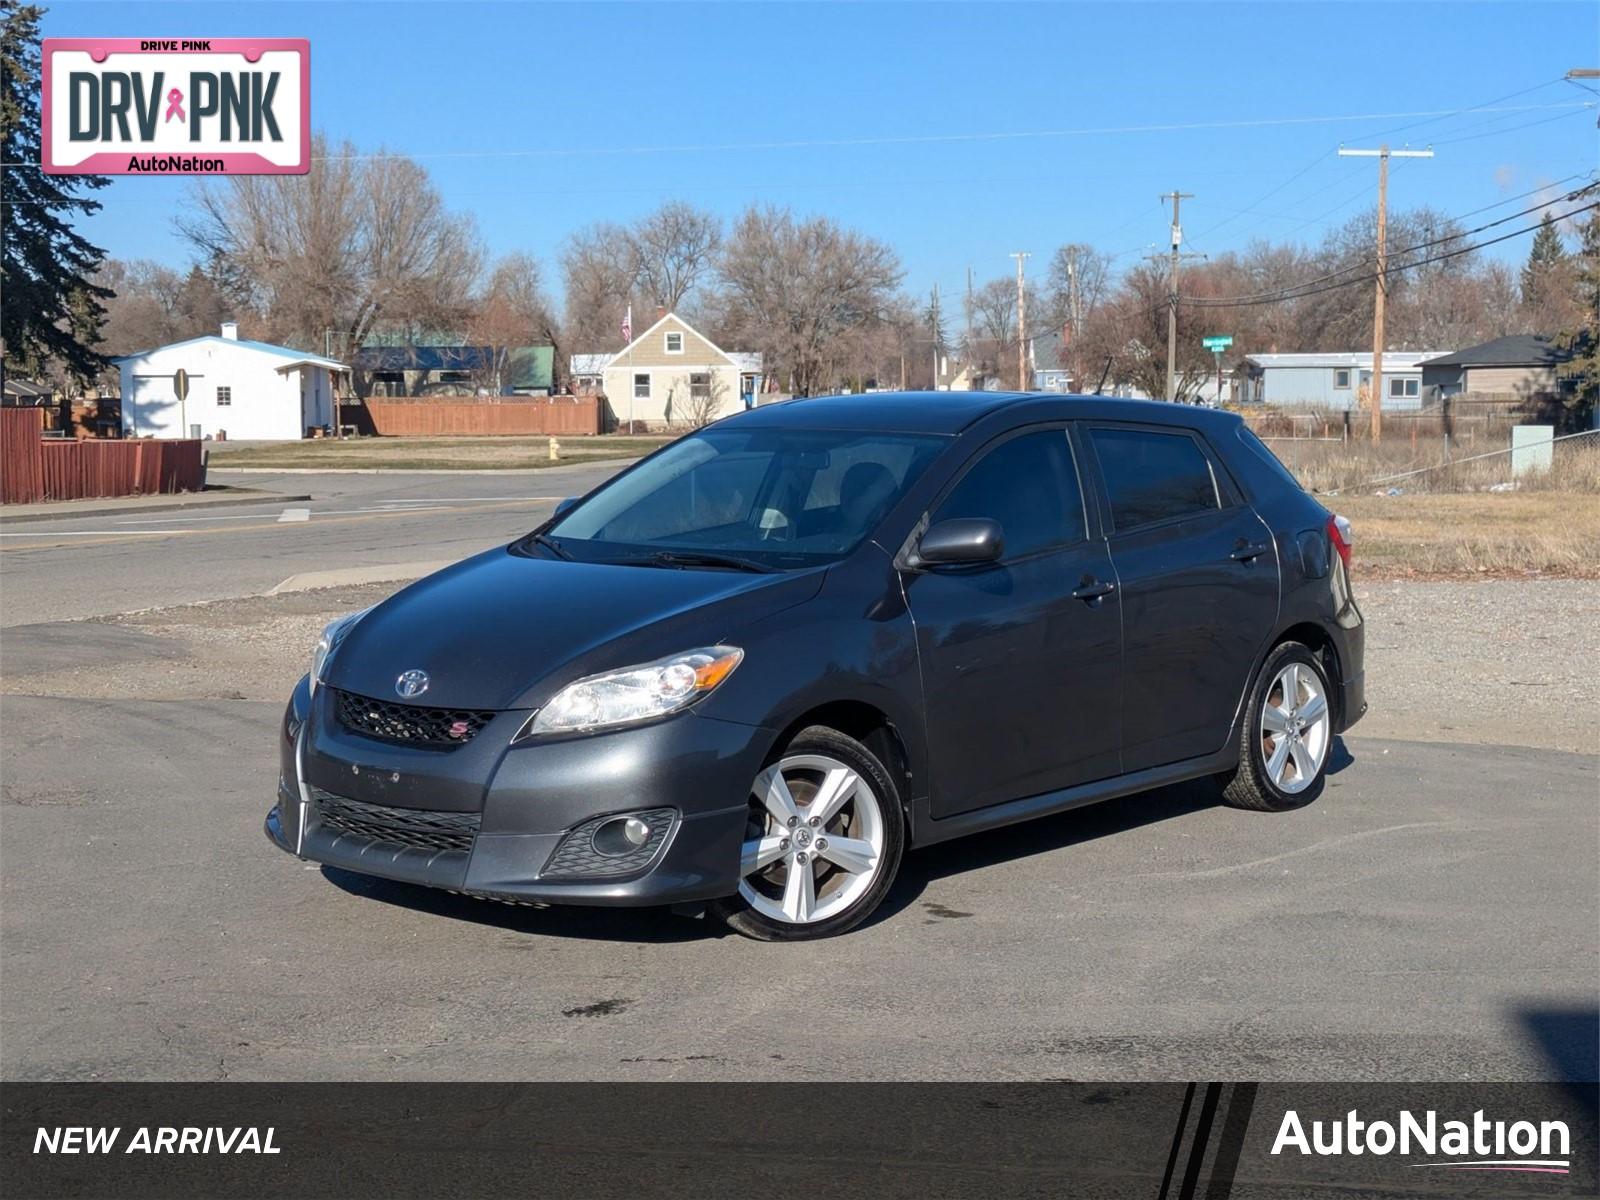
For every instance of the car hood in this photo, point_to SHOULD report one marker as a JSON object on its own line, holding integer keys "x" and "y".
{"x": 504, "y": 630}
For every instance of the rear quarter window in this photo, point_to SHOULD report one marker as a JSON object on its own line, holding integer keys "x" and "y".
{"x": 1268, "y": 459}
{"x": 1153, "y": 475}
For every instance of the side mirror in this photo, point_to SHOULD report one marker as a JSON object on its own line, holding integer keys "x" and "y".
{"x": 960, "y": 540}
{"x": 564, "y": 507}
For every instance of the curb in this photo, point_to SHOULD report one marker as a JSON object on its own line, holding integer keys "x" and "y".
{"x": 210, "y": 470}
{"x": 112, "y": 510}
{"x": 310, "y": 581}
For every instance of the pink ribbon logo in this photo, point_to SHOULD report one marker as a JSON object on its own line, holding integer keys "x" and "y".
{"x": 175, "y": 105}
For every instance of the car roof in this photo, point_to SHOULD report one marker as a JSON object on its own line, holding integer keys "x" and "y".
{"x": 952, "y": 412}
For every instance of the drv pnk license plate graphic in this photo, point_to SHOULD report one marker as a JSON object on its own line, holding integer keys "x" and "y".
{"x": 165, "y": 106}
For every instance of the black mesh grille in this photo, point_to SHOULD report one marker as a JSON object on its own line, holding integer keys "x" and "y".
{"x": 576, "y": 857}
{"x": 410, "y": 724}
{"x": 418, "y": 828}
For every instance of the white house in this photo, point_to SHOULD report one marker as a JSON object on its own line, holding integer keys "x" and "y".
{"x": 239, "y": 388}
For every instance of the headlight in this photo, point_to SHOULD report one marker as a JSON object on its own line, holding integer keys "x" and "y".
{"x": 635, "y": 693}
{"x": 332, "y": 635}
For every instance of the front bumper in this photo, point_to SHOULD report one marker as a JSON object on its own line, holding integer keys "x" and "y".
{"x": 520, "y": 805}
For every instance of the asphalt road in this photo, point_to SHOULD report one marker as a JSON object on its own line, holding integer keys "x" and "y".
{"x": 1433, "y": 916}
{"x": 91, "y": 566}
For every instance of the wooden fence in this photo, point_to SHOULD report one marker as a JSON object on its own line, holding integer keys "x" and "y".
{"x": 33, "y": 468}
{"x": 465, "y": 416}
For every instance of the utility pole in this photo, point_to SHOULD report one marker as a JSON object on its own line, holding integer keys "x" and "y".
{"x": 1074, "y": 312}
{"x": 966, "y": 346}
{"x": 938, "y": 335}
{"x": 1022, "y": 325}
{"x": 1382, "y": 154}
{"x": 1177, "y": 199}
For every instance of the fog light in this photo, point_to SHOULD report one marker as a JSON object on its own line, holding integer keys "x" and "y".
{"x": 621, "y": 835}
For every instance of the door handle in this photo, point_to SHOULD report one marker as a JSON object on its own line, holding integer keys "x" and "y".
{"x": 1245, "y": 553}
{"x": 1093, "y": 589}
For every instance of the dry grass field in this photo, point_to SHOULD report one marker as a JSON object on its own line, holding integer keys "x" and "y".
{"x": 423, "y": 454}
{"x": 1448, "y": 521}
{"x": 1456, "y": 535}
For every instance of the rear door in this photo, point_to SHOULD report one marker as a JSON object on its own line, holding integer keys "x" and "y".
{"x": 1020, "y": 674}
{"x": 1198, "y": 573}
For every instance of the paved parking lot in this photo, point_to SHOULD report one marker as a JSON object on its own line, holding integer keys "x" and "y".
{"x": 1433, "y": 916}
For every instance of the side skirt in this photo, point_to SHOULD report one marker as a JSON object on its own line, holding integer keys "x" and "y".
{"x": 925, "y": 831}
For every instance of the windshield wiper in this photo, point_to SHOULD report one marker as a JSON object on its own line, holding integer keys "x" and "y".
{"x": 695, "y": 558}
{"x": 550, "y": 544}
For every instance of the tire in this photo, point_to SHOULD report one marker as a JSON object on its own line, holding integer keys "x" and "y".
{"x": 806, "y": 875}
{"x": 1284, "y": 748}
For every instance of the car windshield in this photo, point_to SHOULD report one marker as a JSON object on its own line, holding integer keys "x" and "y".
{"x": 762, "y": 499}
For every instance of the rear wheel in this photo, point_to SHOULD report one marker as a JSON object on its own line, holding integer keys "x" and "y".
{"x": 1287, "y": 735}
{"x": 822, "y": 844}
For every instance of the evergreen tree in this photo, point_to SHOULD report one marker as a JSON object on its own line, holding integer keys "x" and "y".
{"x": 1547, "y": 255}
{"x": 52, "y": 310}
{"x": 1582, "y": 373}
{"x": 933, "y": 320}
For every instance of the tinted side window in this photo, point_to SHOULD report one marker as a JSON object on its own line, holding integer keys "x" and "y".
{"x": 1029, "y": 486}
{"x": 1265, "y": 454}
{"x": 1153, "y": 476}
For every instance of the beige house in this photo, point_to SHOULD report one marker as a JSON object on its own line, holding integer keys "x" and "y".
{"x": 671, "y": 376}
{"x": 1515, "y": 369}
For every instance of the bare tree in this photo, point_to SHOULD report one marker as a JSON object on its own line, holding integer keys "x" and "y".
{"x": 697, "y": 400}
{"x": 360, "y": 241}
{"x": 793, "y": 286}
{"x": 512, "y": 315}
{"x": 599, "y": 269}
{"x": 1131, "y": 331}
{"x": 674, "y": 248}
{"x": 994, "y": 326}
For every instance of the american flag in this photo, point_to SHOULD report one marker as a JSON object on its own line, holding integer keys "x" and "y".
{"x": 627, "y": 326}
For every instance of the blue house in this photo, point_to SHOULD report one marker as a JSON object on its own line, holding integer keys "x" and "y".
{"x": 1335, "y": 382}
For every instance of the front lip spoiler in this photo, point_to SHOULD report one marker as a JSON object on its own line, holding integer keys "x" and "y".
{"x": 686, "y": 876}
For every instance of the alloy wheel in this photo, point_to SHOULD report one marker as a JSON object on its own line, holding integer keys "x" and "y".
{"x": 1296, "y": 728}
{"x": 815, "y": 840}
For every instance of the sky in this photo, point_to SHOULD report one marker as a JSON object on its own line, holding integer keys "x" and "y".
{"x": 956, "y": 132}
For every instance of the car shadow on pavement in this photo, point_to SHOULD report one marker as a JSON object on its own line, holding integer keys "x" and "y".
{"x": 1569, "y": 1039}
{"x": 919, "y": 868}
{"x": 1045, "y": 834}
{"x": 650, "y": 925}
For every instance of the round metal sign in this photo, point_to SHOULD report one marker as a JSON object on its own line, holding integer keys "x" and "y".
{"x": 180, "y": 383}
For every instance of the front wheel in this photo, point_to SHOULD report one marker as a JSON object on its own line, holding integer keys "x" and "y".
{"x": 1287, "y": 736}
{"x": 822, "y": 844}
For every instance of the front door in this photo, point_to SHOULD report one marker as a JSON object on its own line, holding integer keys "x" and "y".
{"x": 1020, "y": 677}
{"x": 1198, "y": 571}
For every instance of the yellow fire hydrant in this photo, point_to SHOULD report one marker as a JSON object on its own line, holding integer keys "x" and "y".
{"x": 555, "y": 450}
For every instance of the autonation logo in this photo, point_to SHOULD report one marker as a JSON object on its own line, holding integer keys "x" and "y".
{"x": 1476, "y": 1145}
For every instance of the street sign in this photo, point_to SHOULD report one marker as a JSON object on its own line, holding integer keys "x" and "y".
{"x": 1220, "y": 341}
{"x": 180, "y": 383}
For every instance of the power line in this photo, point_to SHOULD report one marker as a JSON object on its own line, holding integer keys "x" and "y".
{"x": 1303, "y": 290}
{"x": 1294, "y": 294}
{"x": 1576, "y": 194}
{"x": 1472, "y": 137}
{"x": 1485, "y": 106}
{"x": 916, "y": 139}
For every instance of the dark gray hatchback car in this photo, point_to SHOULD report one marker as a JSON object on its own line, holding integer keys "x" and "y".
{"x": 758, "y": 666}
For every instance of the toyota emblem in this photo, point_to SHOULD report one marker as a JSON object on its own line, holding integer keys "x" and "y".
{"x": 411, "y": 684}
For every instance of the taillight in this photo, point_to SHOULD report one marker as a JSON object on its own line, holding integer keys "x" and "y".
{"x": 1339, "y": 533}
